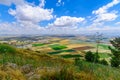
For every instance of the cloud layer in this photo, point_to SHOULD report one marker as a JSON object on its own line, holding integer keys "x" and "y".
{"x": 28, "y": 16}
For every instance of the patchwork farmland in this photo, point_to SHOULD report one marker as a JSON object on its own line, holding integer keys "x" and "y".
{"x": 70, "y": 48}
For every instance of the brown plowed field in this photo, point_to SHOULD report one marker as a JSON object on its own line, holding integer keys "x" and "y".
{"x": 83, "y": 48}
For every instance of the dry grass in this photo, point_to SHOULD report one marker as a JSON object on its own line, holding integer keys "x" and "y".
{"x": 70, "y": 46}
{"x": 85, "y": 76}
{"x": 7, "y": 73}
{"x": 66, "y": 41}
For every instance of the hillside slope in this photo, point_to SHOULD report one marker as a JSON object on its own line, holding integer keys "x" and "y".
{"x": 25, "y": 64}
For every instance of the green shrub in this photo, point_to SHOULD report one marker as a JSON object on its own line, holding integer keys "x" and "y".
{"x": 89, "y": 56}
{"x": 115, "y": 62}
{"x": 92, "y": 57}
{"x": 104, "y": 62}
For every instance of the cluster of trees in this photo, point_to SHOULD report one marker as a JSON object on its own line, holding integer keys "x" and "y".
{"x": 93, "y": 57}
{"x": 115, "y": 50}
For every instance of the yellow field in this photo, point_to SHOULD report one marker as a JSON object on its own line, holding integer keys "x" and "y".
{"x": 70, "y": 46}
{"x": 66, "y": 41}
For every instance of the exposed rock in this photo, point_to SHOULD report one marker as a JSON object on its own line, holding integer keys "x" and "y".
{"x": 34, "y": 77}
{"x": 27, "y": 68}
{"x": 10, "y": 65}
{"x": 30, "y": 74}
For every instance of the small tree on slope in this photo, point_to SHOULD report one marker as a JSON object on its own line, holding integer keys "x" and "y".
{"x": 115, "y": 61}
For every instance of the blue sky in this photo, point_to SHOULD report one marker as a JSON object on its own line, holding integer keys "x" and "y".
{"x": 59, "y": 16}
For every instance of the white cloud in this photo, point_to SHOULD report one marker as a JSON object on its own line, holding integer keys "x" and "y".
{"x": 106, "y": 17}
{"x": 31, "y": 13}
{"x": 117, "y": 23}
{"x": 9, "y": 2}
{"x": 103, "y": 14}
{"x": 65, "y": 21}
{"x": 59, "y": 3}
{"x": 64, "y": 25}
{"x": 42, "y": 4}
{"x": 106, "y": 7}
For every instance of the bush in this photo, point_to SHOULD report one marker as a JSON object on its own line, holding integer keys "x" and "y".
{"x": 89, "y": 56}
{"x": 92, "y": 57}
{"x": 104, "y": 62}
{"x": 115, "y": 62}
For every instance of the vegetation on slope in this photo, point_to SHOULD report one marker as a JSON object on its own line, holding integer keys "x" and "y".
{"x": 30, "y": 65}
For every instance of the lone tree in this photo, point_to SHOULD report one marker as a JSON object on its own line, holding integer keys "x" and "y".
{"x": 115, "y": 61}
{"x": 98, "y": 37}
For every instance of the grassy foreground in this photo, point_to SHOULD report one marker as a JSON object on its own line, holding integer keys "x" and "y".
{"x": 25, "y": 64}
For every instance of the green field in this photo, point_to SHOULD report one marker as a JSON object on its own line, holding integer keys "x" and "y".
{"x": 104, "y": 46}
{"x": 58, "y": 46}
{"x": 104, "y": 55}
{"x": 61, "y": 51}
{"x": 71, "y": 56}
{"x": 38, "y": 44}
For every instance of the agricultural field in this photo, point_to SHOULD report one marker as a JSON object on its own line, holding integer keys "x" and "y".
{"x": 70, "y": 48}
{"x": 38, "y": 44}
